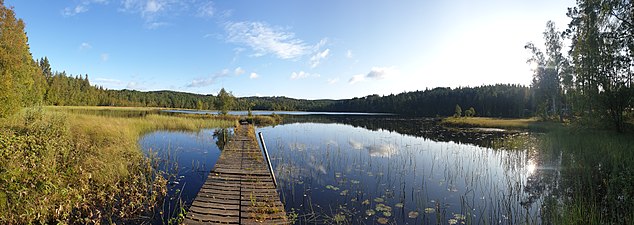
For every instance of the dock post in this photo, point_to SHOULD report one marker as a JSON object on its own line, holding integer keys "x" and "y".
{"x": 268, "y": 159}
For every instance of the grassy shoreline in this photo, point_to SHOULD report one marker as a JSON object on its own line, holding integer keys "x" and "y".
{"x": 532, "y": 124}
{"x": 60, "y": 166}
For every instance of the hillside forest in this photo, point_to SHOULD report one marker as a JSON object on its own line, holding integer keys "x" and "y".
{"x": 590, "y": 81}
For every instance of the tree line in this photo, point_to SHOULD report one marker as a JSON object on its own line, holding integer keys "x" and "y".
{"x": 590, "y": 80}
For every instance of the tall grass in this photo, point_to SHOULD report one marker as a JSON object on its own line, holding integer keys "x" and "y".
{"x": 57, "y": 166}
{"x": 597, "y": 179}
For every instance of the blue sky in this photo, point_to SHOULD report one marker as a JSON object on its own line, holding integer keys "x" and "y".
{"x": 302, "y": 49}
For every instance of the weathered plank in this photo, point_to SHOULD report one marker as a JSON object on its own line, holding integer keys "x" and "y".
{"x": 240, "y": 189}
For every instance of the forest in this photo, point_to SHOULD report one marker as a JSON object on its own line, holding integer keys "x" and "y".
{"x": 591, "y": 81}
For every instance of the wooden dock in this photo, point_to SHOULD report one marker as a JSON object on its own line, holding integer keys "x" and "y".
{"x": 239, "y": 189}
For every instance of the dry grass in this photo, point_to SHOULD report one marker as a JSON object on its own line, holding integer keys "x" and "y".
{"x": 487, "y": 122}
{"x": 57, "y": 166}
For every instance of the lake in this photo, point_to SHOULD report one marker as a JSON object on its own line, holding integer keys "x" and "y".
{"x": 372, "y": 170}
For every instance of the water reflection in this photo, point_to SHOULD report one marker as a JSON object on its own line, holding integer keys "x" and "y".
{"x": 186, "y": 158}
{"x": 329, "y": 171}
{"x": 427, "y": 128}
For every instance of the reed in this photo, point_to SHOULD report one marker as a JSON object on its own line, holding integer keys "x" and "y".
{"x": 58, "y": 165}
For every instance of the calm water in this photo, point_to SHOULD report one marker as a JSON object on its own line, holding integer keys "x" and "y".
{"x": 373, "y": 171}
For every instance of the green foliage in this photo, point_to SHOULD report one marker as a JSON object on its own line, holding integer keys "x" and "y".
{"x": 470, "y": 112}
{"x": 458, "y": 111}
{"x": 76, "y": 168}
{"x": 225, "y": 101}
{"x": 602, "y": 54}
{"x": 20, "y": 81}
{"x": 551, "y": 67}
{"x": 596, "y": 185}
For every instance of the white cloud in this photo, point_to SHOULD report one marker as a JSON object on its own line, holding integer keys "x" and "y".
{"x": 155, "y": 25}
{"x": 206, "y": 9}
{"x": 379, "y": 73}
{"x": 109, "y": 81}
{"x": 265, "y": 39}
{"x": 105, "y": 57}
{"x": 133, "y": 85}
{"x": 81, "y": 7}
{"x": 85, "y": 46}
{"x": 153, "y": 6}
{"x": 333, "y": 80}
{"x": 302, "y": 75}
{"x": 238, "y": 71}
{"x": 376, "y": 73}
{"x": 321, "y": 43}
{"x": 254, "y": 76}
{"x": 349, "y": 54}
{"x": 356, "y": 78}
{"x": 316, "y": 59}
{"x": 203, "y": 82}
{"x": 71, "y": 11}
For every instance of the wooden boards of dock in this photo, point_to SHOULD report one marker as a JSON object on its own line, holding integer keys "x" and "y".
{"x": 239, "y": 189}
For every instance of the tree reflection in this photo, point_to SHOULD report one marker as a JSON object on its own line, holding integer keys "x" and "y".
{"x": 222, "y": 136}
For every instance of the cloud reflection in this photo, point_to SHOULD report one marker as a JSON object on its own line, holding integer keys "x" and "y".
{"x": 375, "y": 150}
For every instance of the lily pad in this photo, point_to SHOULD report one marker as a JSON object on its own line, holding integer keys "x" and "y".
{"x": 430, "y": 210}
{"x": 412, "y": 214}
{"x": 344, "y": 193}
{"x": 354, "y": 181}
{"x": 383, "y": 208}
{"x": 379, "y": 200}
{"x": 387, "y": 214}
{"x": 370, "y": 212}
{"x": 382, "y": 220}
{"x": 399, "y": 205}
{"x": 365, "y": 202}
{"x": 459, "y": 216}
{"x": 453, "y": 221}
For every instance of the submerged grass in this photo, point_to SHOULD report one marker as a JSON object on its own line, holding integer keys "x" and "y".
{"x": 596, "y": 176}
{"x": 57, "y": 165}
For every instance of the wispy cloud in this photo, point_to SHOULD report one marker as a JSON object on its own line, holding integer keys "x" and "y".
{"x": 302, "y": 75}
{"x": 105, "y": 57}
{"x": 315, "y": 60}
{"x": 376, "y": 73}
{"x": 84, "y": 46}
{"x": 109, "y": 81}
{"x": 71, "y": 11}
{"x": 203, "y": 82}
{"x": 265, "y": 39}
{"x": 349, "y": 54}
{"x": 238, "y": 71}
{"x": 254, "y": 76}
{"x": 333, "y": 80}
{"x": 206, "y": 9}
{"x": 356, "y": 78}
{"x": 379, "y": 73}
{"x": 81, "y": 7}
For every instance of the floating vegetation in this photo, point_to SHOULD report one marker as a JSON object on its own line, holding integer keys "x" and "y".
{"x": 365, "y": 202}
{"x": 459, "y": 216}
{"x": 453, "y": 221}
{"x": 330, "y": 187}
{"x": 379, "y": 200}
{"x": 370, "y": 212}
{"x": 344, "y": 193}
{"x": 382, "y": 220}
{"x": 399, "y": 205}
{"x": 412, "y": 214}
{"x": 354, "y": 181}
{"x": 387, "y": 214}
{"x": 430, "y": 210}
